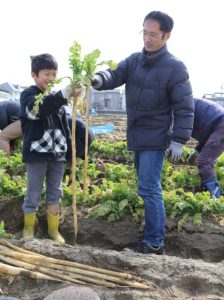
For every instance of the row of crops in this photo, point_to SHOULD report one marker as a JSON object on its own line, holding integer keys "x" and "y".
{"x": 112, "y": 185}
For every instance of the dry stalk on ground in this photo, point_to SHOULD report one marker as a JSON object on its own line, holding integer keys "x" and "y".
{"x": 15, "y": 261}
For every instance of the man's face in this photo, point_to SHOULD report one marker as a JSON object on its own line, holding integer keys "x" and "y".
{"x": 44, "y": 77}
{"x": 153, "y": 37}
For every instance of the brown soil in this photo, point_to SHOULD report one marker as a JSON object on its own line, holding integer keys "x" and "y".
{"x": 192, "y": 268}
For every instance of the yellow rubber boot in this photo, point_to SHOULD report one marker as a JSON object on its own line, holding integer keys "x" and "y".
{"x": 29, "y": 224}
{"x": 53, "y": 224}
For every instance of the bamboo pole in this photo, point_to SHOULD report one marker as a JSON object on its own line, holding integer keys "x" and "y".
{"x": 46, "y": 260}
{"x": 85, "y": 187}
{"x": 56, "y": 276}
{"x": 11, "y": 270}
{"x": 62, "y": 270}
{"x": 71, "y": 270}
{"x": 4, "y": 242}
{"x": 72, "y": 275}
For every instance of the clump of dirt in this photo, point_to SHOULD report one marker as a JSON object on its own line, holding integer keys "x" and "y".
{"x": 192, "y": 267}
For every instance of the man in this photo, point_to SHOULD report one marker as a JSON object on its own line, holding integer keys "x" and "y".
{"x": 159, "y": 106}
{"x": 208, "y": 130}
{"x": 9, "y": 124}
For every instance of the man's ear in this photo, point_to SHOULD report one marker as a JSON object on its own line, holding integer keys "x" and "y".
{"x": 167, "y": 36}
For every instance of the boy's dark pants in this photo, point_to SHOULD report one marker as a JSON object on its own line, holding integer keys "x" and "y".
{"x": 36, "y": 174}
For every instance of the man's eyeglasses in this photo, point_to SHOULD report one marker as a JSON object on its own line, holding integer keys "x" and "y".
{"x": 152, "y": 35}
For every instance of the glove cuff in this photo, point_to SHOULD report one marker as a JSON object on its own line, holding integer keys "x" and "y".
{"x": 176, "y": 144}
{"x": 97, "y": 81}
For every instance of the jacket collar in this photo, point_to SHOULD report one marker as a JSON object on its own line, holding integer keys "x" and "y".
{"x": 150, "y": 59}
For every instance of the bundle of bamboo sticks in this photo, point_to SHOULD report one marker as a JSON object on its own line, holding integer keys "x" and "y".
{"x": 15, "y": 261}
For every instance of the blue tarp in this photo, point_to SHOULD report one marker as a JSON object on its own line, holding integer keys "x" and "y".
{"x": 107, "y": 128}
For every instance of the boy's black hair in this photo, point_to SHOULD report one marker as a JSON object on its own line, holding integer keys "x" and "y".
{"x": 43, "y": 61}
{"x": 165, "y": 21}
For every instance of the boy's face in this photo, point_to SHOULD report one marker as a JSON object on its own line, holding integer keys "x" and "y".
{"x": 44, "y": 77}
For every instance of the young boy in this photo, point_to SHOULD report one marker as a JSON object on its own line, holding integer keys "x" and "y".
{"x": 46, "y": 144}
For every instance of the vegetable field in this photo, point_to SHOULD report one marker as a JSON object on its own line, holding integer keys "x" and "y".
{"x": 110, "y": 218}
{"x": 112, "y": 186}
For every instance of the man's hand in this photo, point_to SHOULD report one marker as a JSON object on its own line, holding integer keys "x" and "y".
{"x": 192, "y": 157}
{"x": 174, "y": 152}
{"x": 96, "y": 81}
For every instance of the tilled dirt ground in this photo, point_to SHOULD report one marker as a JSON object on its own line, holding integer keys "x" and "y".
{"x": 192, "y": 268}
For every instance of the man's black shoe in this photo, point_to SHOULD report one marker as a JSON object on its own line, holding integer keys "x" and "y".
{"x": 147, "y": 249}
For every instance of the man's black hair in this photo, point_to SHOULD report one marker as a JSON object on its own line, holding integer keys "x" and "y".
{"x": 165, "y": 21}
{"x": 43, "y": 61}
